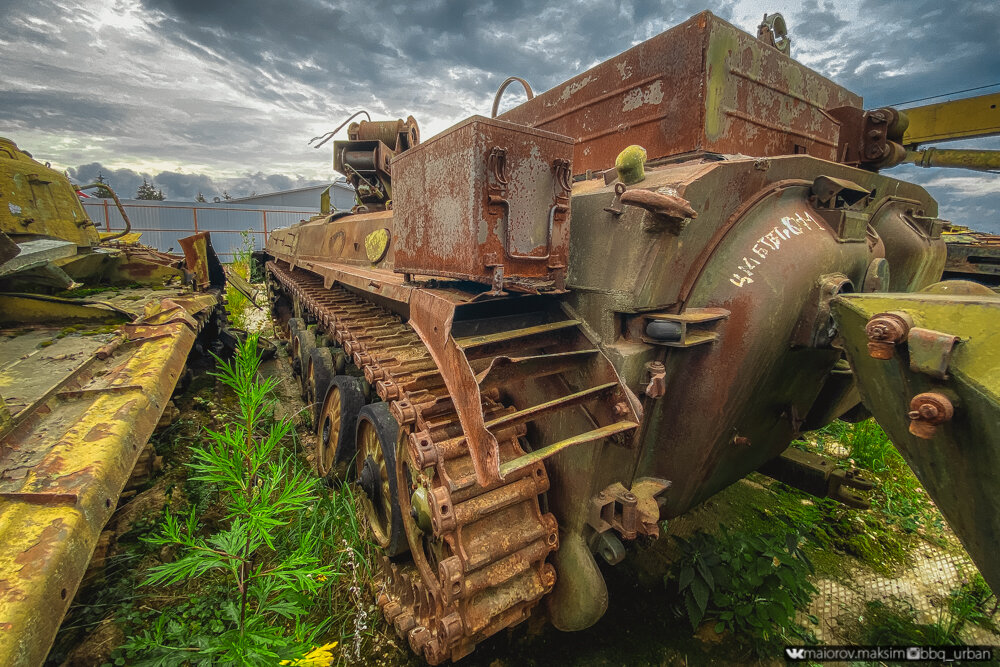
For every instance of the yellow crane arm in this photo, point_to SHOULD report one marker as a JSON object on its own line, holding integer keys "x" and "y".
{"x": 967, "y": 118}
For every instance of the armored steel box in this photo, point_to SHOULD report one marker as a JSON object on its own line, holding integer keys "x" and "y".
{"x": 703, "y": 85}
{"x": 488, "y": 201}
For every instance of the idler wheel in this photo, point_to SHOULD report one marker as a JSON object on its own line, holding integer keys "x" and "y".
{"x": 337, "y": 427}
{"x": 378, "y": 436}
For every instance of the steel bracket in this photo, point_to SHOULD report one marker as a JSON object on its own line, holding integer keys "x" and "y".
{"x": 930, "y": 351}
{"x": 629, "y": 512}
{"x": 695, "y": 326}
{"x": 819, "y": 476}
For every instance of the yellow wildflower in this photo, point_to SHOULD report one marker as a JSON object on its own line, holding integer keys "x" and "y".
{"x": 320, "y": 656}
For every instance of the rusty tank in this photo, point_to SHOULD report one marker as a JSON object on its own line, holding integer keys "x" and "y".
{"x": 538, "y": 335}
{"x": 95, "y": 332}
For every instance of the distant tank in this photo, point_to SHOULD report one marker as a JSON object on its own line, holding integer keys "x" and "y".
{"x": 94, "y": 336}
{"x": 538, "y": 335}
{"x": 973, "y": 256}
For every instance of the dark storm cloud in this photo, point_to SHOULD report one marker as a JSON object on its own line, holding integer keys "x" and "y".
{"x": 406, "y": 54}
{"x": 213, "y": 95}
{"x": 900, "y": 51}
{"x": 56, "y": 111}
{"x": 124, "y": 182}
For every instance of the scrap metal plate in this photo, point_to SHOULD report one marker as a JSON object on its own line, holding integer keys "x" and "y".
{"x": 703, "y": 85}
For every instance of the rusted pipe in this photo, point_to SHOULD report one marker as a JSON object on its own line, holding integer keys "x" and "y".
{"x": 976, "y": 160}
{"x": 118, "y": 203}
{"x": 503, "y": 86}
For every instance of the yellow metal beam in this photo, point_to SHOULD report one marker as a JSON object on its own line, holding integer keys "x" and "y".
{"x": 977, "y": 160}
{"x": 956, "y": 119}
{"x": 66, "y": 459}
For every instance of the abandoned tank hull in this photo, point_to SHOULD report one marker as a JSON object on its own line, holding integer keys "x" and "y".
{"x": 83, "y": 383}
{"x": 561, "y": 349}
{"x": 751, "y": 279}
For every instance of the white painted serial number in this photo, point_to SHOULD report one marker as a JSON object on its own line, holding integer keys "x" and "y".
{"x": 770, "y": 243}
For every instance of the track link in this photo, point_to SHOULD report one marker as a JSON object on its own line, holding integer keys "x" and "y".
{"x": 481, "y": 566}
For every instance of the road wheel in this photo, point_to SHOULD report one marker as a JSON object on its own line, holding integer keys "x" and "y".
{"x": 303, "y": 344}
{"x": 319, "y": 373}
{"x": 292, "y": 329}
{"x": 375, "y": 462}
{"x": 337, "y": 428}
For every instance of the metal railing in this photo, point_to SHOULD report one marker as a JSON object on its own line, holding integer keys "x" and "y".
{"x": 162, "y": 223}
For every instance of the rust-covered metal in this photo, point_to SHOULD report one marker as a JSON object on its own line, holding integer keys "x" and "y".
{"x": 972, "y": 256}
{"x": 703, "y": 85}
{"x": 78, "y": 423}
{"x": 938, "y": 398}
{"x": 38, "y": 200}
{"x": 83, "y": 382}
{"x": 486, "y": 200}
{"x": 202, "y": 262}
{"x": 478, "y": 565}
{"x": 623, "y": 343}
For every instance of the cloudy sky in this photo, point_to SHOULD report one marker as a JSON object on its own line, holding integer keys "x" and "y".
{"x": 201, "y": 95}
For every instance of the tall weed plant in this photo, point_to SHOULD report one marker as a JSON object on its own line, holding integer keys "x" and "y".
{"x": 747, "y": 584}
{"x": 264, "y": 568}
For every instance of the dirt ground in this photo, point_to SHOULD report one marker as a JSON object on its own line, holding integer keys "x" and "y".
{"x": 642, "y": 625}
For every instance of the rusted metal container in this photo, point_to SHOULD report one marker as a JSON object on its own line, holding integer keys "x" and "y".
{"x": 488, "y": 201}
{"x": 703, "y": 85}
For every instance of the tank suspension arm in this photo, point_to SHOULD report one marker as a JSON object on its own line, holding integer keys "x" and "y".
{"x": 977, "y": 160}
{"x": 118, "y": 203}
{"x": 926, "y": 366}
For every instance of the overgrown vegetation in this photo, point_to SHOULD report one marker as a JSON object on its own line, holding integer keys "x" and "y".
{"x": 901, "y": 513}
{"x": 242, "y": 264}
{"x": 753, "y": 582}
{"x": 974, "y": 602}
{"x": 265, "y": 563}
{"x": 750, "y": 585}
{"x": 256, "y": 562}
{"x": 896, "y": 622}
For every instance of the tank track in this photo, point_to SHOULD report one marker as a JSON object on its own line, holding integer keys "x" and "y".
{"x": 482, "y": 566}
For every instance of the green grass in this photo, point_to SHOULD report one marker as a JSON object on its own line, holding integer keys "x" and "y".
{"x": 895, "y": 622}
{"x": 236, "y": 303}
{"x": 899, "y": 499}
{"x": 974, "y": 602}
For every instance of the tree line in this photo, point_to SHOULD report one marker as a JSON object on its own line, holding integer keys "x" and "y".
{"x": 148, "y": 191}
